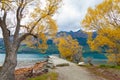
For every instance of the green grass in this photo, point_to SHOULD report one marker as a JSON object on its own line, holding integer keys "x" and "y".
{"x": 109, "y": 66}
{"x": 48, "y": 76}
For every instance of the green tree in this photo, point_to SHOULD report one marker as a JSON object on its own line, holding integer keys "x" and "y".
{"x": 25, "y": 19}
{"x": 105, "y": 20}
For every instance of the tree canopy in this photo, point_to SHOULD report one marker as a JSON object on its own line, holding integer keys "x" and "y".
{"x": 68, "y": 47}
{"x": 33, "y": 18}
{"x": 105, "y": 20}
{"x": 30, "y": 20}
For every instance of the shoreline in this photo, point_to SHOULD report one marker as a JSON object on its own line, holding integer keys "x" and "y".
{"x": 25, "y": 72}
{"x": 27, "y": 64}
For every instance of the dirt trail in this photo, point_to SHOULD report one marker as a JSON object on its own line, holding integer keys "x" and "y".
{"x": 73, "y": 72}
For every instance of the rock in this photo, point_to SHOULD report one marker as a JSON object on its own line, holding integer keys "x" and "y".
{"x": 50, "y": 65}
{"x": 81, "y": 63}
{"x": 39, "y": 67}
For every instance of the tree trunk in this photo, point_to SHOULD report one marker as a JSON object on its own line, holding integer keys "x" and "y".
{"x": 8, "y": 68}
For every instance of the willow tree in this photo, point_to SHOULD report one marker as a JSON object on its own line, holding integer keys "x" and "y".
{"x": 105, "y": 20}
{"x": 25, "y": 19}
{"x": 69, "y": 48}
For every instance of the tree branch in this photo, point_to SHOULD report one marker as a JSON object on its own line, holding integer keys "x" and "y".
{"x": 6, "y": 32}
{"x": 33, "y": 27}
{"x": 19, "y": 16}
{"x": 25, "y": 35}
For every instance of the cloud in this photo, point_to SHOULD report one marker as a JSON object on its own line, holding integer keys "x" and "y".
{"x": 72, "y": 12}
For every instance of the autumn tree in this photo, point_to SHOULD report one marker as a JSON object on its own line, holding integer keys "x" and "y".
{"x": 105, "y": 20}
{"x": 25, "y": 19}
{"x": 69, "y": 48}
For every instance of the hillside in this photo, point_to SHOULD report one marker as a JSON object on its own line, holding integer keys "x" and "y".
{"x": 80, "y": 36}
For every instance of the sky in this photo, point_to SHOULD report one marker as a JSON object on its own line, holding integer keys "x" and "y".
{"x": 71, "y": 14}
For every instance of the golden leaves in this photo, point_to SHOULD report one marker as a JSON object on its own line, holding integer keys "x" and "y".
{"x": 5, "y": 4}
{"x": 42, "y": 25}
{"x": 103, "y": 12}
{"x": 41, "y": 43}
{"x": 52, "y": 26}
{"x": 104, "y": 19}
{"x": 53, "y": 6}
{"x": 67, "y": 46}
{"x": 114, "y": 58}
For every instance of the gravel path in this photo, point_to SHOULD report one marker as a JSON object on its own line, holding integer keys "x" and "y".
{"x": 73, "y": 72}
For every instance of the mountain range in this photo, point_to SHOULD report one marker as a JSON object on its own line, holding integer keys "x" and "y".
{"x": 80, "y": 36}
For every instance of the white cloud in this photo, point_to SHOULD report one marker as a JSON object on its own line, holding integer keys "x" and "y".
{"x": 72, "y": 12}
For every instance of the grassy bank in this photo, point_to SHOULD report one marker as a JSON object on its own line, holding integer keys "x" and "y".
{"x": 110, "y": 66}
{"x": 47, "y": 76}
{"x": 109, "y": 72}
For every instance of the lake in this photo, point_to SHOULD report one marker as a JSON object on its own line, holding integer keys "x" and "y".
{"x": 26, "y": 59}
{"x": 97, "y": 58}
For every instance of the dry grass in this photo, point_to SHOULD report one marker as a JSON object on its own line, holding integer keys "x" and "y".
{"x": 110, "y": 73}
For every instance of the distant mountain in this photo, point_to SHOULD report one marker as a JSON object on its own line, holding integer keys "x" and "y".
{"x": 79, "y": 35}
{"x": 76, "y": 34}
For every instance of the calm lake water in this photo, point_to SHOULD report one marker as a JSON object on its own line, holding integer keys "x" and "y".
{"x": 26, "y": 60}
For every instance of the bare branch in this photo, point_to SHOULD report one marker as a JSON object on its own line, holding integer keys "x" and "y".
{"x": 6, "y": 32}
{"x": 25, "y": 35}
{"x": 23, "y": 26}
{"x": 19, "y": 16}
{"x": 49, "y": 13}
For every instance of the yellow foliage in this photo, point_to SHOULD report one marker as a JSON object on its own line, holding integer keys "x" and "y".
{"x": 42, "y": 25}
{"x": 114, "y": 58}
{"x": 4, "y": 4}
{"x": 104, "y": 19}
{"x": 68, "y": 46}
